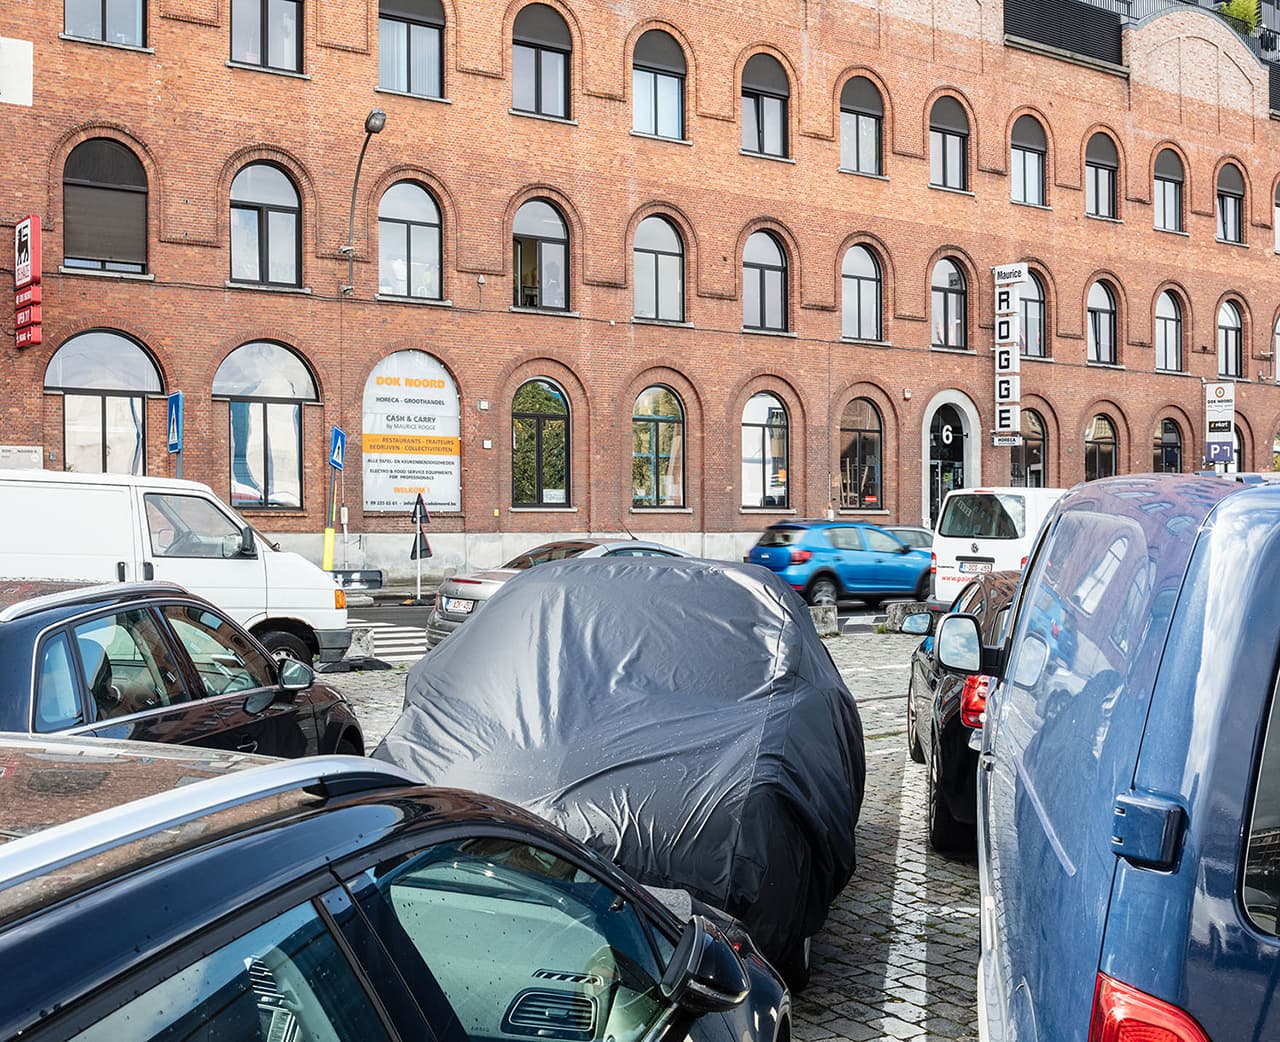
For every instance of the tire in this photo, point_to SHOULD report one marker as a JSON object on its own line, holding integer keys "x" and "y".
{"x": 347, "y": 747}
{"x": 823, "y": 590}
{"x": 285, "y": 645}
{"x": 914, "y": 748}
{"x": 946, "y": 835}
{"x": 794, "y": 965}
{"x": 922, "y": 588}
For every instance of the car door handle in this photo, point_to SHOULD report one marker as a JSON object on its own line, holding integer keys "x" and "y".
{"x": 248, "y": 745}
{"x": 986, "y": 761}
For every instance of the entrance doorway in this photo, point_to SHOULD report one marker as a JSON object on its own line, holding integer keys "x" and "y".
{"x": 946, "y": 456}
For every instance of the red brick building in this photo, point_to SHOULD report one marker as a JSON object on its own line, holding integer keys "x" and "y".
{"x": 807, "y": 327}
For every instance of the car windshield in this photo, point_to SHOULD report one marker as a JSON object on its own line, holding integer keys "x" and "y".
{"x": 550, "y": 552}
{"x": 780, "y": 536}
{"x": 983, "y": 515}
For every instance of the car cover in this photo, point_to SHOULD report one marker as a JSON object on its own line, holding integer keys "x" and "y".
{"x": 682, "y": 718}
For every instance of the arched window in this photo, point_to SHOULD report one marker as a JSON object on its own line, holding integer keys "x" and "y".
{"x": 1230, "y": 340}
{"x": 948, "y": 145}
{"x": 540, "y": 446}
{"x": 1027, "y": 151}
{"x": 764, "y": 283}
{"x": 1101, "y": 164}
{"x": 104, "y": 202}
{"x": 861, "y": 296}
{"x": 266, "y": 385}
{"x": 765, "y": 91}
{"x": 1166, "y": 448}
{"x": 266, "y": 227}
{"x": 1168, "y": 194}
{"x": 411, "y": 47}
{"x": 765, "y": 453}
{"x": 409, "y": 260}
{"x": 267, "y": 33}
{"x": 104, "y": 378}
{"x": 1099, "y": 449}
{"x": 659, "y": 263}
{"x": 112, "y": 21}
{"x": 657, "y": 86}
{"x": 1026, "y": 461}
{"x": 1168, "y": 333}
{"x": 1102, "y": 324}
{"x": 1230, "y": 204}
{"x": 657, "y": 449}
{"x": 541, "y": 245}
{"x": 861, "y": 126}
{"x": 861, "y": 457}
{"x": 541, "y": 46}
{"x": 1034, "y": 332}
{"x": 1238, "y": 462}
{"x": 950, "y": 294}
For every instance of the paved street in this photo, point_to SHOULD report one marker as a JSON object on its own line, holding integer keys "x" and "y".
{"x": 897, "y": 957}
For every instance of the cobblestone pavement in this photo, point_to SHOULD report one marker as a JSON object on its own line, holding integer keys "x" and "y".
{"x": 898, "y": 955}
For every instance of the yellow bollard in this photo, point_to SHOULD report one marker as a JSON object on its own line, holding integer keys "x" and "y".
{"x": 327, "y": 564}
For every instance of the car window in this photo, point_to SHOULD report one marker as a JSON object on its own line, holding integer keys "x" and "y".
{"x": 983, "y": 515}
{"x": 127, "y": 666}
{"x": 57, "y": 696}
{"x": 189, "y": 526}
{"x": 881, "y": 542}
{"x": 1262, "y": 852}
{"x": 970, "y": 600}
{"x": 846, "y": 538}
{"x": 508, "y": 938}
{"x": 550, "y": 552}
{"x": 225, "y": 660}
{"x": 641, "y": 551}
{"x": 780, "y": 536}
{"x": 283, "y": 982}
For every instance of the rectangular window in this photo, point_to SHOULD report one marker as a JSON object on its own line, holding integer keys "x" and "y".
{"x": 1100, "y": 191}
{"x": 282, "y": 262}
{"x": 750, "y": 123}
{"x": 266, "y": 454}
{"x": 113, "y": 21}
{"x": 393, "y": 54}
{"x": 1027, "y": 168}
{"x": 1032, "y": 328}
{"x": 774, "y": 293}
{"x": 947, "y": 160}
{"x": 751, "y": 280}
{"x": 670, "y": 107}
{"x": 1168, "y": 344}
{"x": 670, "y": 288}
{"x": 244, "y": 245}
{"x": 1168, "y": 205}
{"x": 859, "y": 142}
{"x": 646, "y": 284}
{"x": 551, "y": 264}
{"x": 1229, "y": 212}
{"x": 524, "y": 78}
{"x": 644, "y": 118}
{"x": 774, "y": 126}
{"x": 106, "y": 227}
{"x": 424, "y": 61}
{"x": 283, "y": 51}
{"x": 103, "y": 434}
{"x": 555, "y": 87}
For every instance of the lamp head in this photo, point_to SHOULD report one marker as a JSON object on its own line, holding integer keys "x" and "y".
{"x": 375, "y": 121}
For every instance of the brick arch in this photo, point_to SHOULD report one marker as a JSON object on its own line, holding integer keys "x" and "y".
{"x": 291, "y": 343}
{"x": 888, "y": 275}
{"x": 1052, "y": 433}
{"x": 127, "y": 326}
{"x": 87, "y": 131}
{"x": 1246, "y": 329}
{"x": 793, "y": 86}
{"x": 667, "y": 373}
{"x": 1187, "y": 175}
{"x": 1124, "y": 432}
{"x": 960, "y": 256}
{"x": 572, "y": 219}
{"x": 769, "y": 381}
{"x": 444, "y": 200}
{"x": 886, "y": 100}
{"x": 1040, "y": 268}
{"x": 891, "y": 438}
{"x": 1122, "y": 174}
{"x": 1050, "y": 146}
{"x": 1247, "y": 446}
{"x": 444, "y": 356}
{"x": 1112, "y": 280}
{"x": 685, "y": 228}
{"x": 791, "y": 253}
{"x": 576, "y": 38}
{"x": 973, "y": 150}
{"x": 682, "y": 41}
{"x": 535, "y": 365}
{"x": 1168, "y": 409}
{"x": 308, "y": 197}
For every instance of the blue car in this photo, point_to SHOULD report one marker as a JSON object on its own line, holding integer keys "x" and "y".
{"x": 1129, "y": 775}
{"x": 828, "y": 561}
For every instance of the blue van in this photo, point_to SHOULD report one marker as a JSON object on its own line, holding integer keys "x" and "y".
{"x": 1129, "y": 775}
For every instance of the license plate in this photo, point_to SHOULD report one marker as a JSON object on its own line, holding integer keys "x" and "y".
{"x": 970, "y": 567}
{"x": 458, "y": 605}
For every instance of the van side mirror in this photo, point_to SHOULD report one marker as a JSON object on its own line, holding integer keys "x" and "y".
{"x": 958, "y": 645}
{"x": 247, "y": 547}
{"x": 705, "y": 974}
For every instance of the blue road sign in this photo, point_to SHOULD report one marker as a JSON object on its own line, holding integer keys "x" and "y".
{"x": 338, "y": 448}
{"x": 174, "y": 423}
{"x": 1221, "y": 451}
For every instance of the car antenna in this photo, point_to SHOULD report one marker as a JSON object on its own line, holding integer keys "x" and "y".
{"x": 630, "y": 533}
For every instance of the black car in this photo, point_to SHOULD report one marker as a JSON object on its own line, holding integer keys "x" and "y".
{"x": 149, "y": 661}
{"x": 943, "y": 711}
{"x": 165, "y": 893}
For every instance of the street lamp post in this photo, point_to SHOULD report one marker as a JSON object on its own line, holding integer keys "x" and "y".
{"x": 373, "y": 124}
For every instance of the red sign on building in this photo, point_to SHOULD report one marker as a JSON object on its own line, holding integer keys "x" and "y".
{"x": 27, "y": 336}
{"x": 24, "y": 297}
{"x": 28, "y": 316}
{"x": 26, "y": 281}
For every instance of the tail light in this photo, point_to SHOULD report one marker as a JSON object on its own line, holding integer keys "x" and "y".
{"x": 933, "y": 564}
{"x": 1022, "y": 563}
{"x": 973, "y": 700}
{"x": 339, "y": 598}
{"x": 800, "y": 556}
{"x": 1122, "y": 1013}
{"x": 466, "y": 582}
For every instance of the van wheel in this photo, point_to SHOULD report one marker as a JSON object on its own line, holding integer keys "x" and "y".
{"x": 823, "y": 590}
{"x": 285, "y": 645}
{"x": 945, "y": 833}
{"x": 914, "y": 749}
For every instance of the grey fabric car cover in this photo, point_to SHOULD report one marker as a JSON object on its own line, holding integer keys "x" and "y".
{"x": 681, "y": 717}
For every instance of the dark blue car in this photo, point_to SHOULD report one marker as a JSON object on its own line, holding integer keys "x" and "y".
{"x": 828, "y": 561}
{"x": 1129, "y": 777}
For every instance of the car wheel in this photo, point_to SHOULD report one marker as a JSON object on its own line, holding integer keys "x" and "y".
{"x": 794, "y": 964}
{"x": 922, "y": 588}
{"x": 823, "y": 590}
{"x": 286, "y": 645}
{"x": 945, "y": 833}
{"x": 348, "y": 747}
{"x": 914, "y": 748}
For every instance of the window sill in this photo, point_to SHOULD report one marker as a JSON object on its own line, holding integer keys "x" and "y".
{"x": 93, "y": 273}
{"x": 1037, "y": 358}
{"x": 248, "y": 67}
{"x": 1174, "y": 231}
{"x": 1234, "y": 379}
{"x": 135, "y": 47}
{"x": 944, "y": 349}
{"x": 552, "y": 312}
{"x": 263, "y": 287}
{"x": 543, "y": 510}
{"x": 865, "y": 342}
{"x": 1232, "y": 242}
{"x": 770, "y": 332}
{"x": 855, "y": 512}
{"x": 429, "y": 302}
{"x": 952, "y": 191}
{"x": 765, "y": 155}
{"x": 661, "y": 510}
{"x": 1106, "y": 365}
{"x": 661, "y": 137}
{"x": 636, "y": 320}
{"x": 545, "y": 119}
{"x": 1173, "y": 372}
{"x": 416, "y": 97}
{"x": 1031, "y": 206}
{"x": 861, "y": 173}
{"x": 782, "y": 511}
{"x": 1100, "y": 217}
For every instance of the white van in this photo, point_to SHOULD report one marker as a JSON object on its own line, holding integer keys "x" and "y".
{"x": 109, "y": 527}
{"x": 985, "y": 530}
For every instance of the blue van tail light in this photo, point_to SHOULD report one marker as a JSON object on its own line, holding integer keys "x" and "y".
{"x": 973, "y": 700}
{"x": 1122, "y": 1013}
{"x": 800, "y": 556}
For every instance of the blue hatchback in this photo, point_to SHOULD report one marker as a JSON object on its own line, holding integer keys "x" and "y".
{"x": 830, "y": 560}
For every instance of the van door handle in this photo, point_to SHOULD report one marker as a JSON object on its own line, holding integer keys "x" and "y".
{"x": 248, "y": 745}
{"x": 121, "y": 570}
{"x": 148, "y": 570}
{"x": 986, "y": 761}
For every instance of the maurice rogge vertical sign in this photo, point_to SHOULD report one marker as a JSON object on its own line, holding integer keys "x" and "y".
{"x": 1008, "y": 280}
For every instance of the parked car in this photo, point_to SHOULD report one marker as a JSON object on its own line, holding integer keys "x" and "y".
{"x": 1129, "y": 782}
{"x": 829, "y": 561}
{"x": 681, "y": 717}
{"x": 944, "y": 711}
{"x": 985, "y": 530}
{"x": 116, "y": 527}
{"x": 460, "y": 596}
{"x": 154, "y": 893}
{"x": 150, "y": 661}
{"x": 912, "y": 535}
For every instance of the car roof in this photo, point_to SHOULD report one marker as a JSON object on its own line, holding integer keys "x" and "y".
{"x": 38, "y": 597}
{"x": 63, "y": 477}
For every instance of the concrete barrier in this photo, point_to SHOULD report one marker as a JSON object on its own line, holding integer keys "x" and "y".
{"x": 899, "y": 610}
{"x": 825, "y": 619}
{"x": 361, "y": 642}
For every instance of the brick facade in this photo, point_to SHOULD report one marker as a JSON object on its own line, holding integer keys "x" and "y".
{"x": 193, "y": 121}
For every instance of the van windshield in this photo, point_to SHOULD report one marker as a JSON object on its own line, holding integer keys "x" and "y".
{"x": 984, "y": 515}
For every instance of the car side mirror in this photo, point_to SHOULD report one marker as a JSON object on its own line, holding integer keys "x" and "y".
{"x": 957, "y": 647}
{"x": 920, "y": 624}
{"x": 295, "y": 675}
{"x": 705, "y": 974}
{"x": 904, "y": 549}
{"x": 247, "y": 547}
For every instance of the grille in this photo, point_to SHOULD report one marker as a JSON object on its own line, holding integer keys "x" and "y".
{"x": 551, "y": 1014}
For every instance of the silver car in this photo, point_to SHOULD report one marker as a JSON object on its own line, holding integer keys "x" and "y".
{"x": 460, "y": 597}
